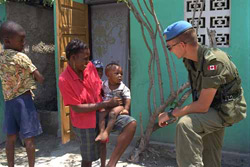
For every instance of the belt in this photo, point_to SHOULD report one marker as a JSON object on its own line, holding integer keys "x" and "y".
{"x": 230, "y": 97}
{"x": 225, "y": 99}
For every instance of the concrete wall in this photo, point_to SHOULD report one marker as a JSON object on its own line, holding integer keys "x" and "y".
{"x": 169, "y": 11}
{"x": 39, "y": 26}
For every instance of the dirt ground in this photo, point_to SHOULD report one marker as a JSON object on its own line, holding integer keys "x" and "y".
{"x": 51, "y": 153}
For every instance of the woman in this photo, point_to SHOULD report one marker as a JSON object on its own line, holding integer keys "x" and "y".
{"x": 80, "y": 87}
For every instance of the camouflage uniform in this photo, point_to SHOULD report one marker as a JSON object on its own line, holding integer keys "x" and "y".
{"x": 199, "y": 137}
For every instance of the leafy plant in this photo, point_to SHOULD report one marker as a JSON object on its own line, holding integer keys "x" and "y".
{"x": 2, "y": 1}
{"x": 40, "y": 2}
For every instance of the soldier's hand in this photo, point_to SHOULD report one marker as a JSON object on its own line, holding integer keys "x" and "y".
{"x": 163, "y": 118}
{"x": 114, "y": 102}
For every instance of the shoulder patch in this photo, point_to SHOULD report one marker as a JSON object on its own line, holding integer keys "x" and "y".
{"x": 212, "y": 67}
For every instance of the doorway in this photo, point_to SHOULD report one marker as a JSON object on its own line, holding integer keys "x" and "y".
{"x": 110, "y": 35}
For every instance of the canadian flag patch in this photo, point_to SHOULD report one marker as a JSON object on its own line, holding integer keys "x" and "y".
{"x": 212, "y": 67}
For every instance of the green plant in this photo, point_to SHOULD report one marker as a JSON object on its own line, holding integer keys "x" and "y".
{"x": 48, "y": 2}
{"x": 2, "y": 1}
{"x": 44, "y": 2}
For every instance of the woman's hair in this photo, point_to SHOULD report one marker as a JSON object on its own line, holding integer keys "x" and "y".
{"x": 74, "y": 47}
{"x": 189, "y": 36}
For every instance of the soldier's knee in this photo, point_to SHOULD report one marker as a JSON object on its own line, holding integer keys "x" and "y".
{"x": 184, "y": 122}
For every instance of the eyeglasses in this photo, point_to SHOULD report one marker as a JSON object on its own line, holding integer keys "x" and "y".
{"x": 170, "y": 47}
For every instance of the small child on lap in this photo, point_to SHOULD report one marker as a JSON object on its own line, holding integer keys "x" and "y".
{"x": 113, "y": 87}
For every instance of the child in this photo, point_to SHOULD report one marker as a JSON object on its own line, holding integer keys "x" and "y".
{"x": 99, "y": 67}
{"x": 18, "y": 76}
{"x": 103, "y": 148}
{"x": 113, "y": 87}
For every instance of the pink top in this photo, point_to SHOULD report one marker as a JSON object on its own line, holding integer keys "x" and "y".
{"x": 76, "y": 91}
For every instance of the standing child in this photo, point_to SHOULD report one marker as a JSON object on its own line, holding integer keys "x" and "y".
{"x": 18, "y": 76}
{"x": 103, "y": 148}
{"x": 113, "y": 87}
{"x": 99, "y": 67}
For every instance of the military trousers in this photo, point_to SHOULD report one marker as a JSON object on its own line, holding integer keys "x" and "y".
{"x": 199, "y": 140}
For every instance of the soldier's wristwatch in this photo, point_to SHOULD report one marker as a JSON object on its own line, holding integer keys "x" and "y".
{"x": 170, "y": 114}
{"x": 171, "y": 117}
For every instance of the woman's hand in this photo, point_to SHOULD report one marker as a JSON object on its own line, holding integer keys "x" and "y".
{"x": 114, "y": 102}
{"x": 124, "y": 112}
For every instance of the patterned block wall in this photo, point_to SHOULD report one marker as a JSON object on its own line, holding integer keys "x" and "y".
{"x": 215, "y": 16}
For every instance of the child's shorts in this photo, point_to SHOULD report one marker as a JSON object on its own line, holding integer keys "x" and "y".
{"x": 90, "y": 149}
{"x": 20, "y": 115}
{"x": 121, "y": 122}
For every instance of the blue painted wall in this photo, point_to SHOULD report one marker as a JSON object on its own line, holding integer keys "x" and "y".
{"x": 2, "y": 136}
{"x": 168, "y": 11}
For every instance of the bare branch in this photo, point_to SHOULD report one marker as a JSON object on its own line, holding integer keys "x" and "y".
{"x": 141, "y": 126}
{"x": 176, "y": 76}
{"x": 179, "y": 103}
{"x": 151, "y": 79}
{"x": 158, "y": 70}
{"x": 154, "y": 90}
{"x": 151, "y": 83}
{"x": 164, "y": 48}
{"x": 138, "y": 16}
{"x": 211, "y": 37}
{"x": 184, "y": 97}
{"x": 202, "y": 8}
{"x": 194, "y": 12}
{"x": 143, "y": 13}
{"x": 183, "y": 87}
{"x": 150, "y": 11}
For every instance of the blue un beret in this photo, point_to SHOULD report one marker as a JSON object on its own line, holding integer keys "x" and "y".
{"x": 176, "y": 29}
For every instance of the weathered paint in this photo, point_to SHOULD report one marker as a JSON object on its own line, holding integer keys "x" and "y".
{"x": 169, "y": 11}
{"x": 57, "y": 72}
{"x": 57, "y": 68}
{"x": 2, "y": 136}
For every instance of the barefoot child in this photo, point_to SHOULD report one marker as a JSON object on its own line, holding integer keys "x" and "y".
{"x": 113, "y": 87}
{"x": 18, "y": 76}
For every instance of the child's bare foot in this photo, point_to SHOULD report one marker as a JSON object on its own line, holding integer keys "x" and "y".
{"x": 102, "y": 136}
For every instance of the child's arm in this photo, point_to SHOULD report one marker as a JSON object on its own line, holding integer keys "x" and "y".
{"x": 28, "y": 65}
{"x": 126, "y": 100}
{"x": 127, "y": 104}
{"x": 37, "y": 76}
{"x": 126, "y": 109}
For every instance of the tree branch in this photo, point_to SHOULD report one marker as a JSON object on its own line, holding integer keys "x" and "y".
{"x": 164, "y": 48}
{"x": 151, "y": 79}
{"x": 143, "y": 13}
{"x": 147, "y": 7}
{"x": 138, "y": 16}
{"x": 202, "y": 8}
{"x": 194, "y": 12}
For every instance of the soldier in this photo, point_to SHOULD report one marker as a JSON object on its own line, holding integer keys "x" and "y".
{"x": 218, "y": 100}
